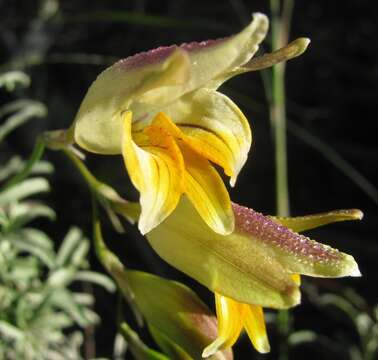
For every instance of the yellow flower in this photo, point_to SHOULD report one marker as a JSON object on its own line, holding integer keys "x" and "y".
{"x": 161, "y": 110}
{"x": 254, "y": 267}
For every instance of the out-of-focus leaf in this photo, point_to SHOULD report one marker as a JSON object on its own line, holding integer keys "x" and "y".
{"x": 37, "y": 153}
{"x": 16, "y": 164}
{"x": 70, "y": 243}
{"x": 36, "y": 238}
{"x": 24, "y": 189}
{"x": 23, "y": 213}
{"x": 22, "y": 244}
{"x": 96, "y": 278}
{"x": 80, "y": 253}
{"x": 26, "y": 110}
{"x": 64, "y": 300}
{"x": 11, "y": 79}
{"x": 340, "y": 303}
{"x": 61, "y": 277}
{"x": 10, "y": 331}
{"x": 302, "y": 336}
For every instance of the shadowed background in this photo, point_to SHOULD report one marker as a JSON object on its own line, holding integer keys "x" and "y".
{"x": 331, "y": 109}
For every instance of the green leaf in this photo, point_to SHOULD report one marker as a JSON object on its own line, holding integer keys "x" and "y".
{"x": 96, "y": 278}
{"x": 10, "y": 331}
{"x": 21, "y": 214}
{"x": 24, "y": 189}
{"x": 64, "y": 300}
{"x": 46, "y": 256}
{"x": 16, "y": 164}
{"x": 10, "y": 79}
{"x": 69, "y": 245}
{"x": 26, "y": 110}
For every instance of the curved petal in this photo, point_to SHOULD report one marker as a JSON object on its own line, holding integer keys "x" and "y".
{"x": 230, "y": 324}
{"x": 207, "y": 192}
{"x": 214, "y": 127}
{"x": 235, "y": 266}
{"x": 156, "y": 170}
{"x": 201, "y": 181}
{"x": 303, "y": 223}
{"x": 254, "y": 324}
{"x": 296, "y": 253}
{"x": 98, "y": 125}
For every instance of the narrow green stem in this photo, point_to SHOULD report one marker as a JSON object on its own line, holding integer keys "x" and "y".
{"x": 89, "y": 178}
{"x": 280, "y": 30}
{"x": 278, "y": 116}
{"x": 36, "y": 155}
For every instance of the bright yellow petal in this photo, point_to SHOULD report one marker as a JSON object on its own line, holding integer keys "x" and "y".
{"x": 230, "y": 324}
{"x": 214, "y": 127}
{"x": 156, "y": 170}
{"x": 303, "y": 223}
{"x": 207, "y": 192}
{"x": 254, "y": 324}
{"x": 296, "y": 278}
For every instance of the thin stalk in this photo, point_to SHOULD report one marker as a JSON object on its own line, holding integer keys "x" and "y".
{"x": 36, "y": 155}
{"x": 280, "y": 29}
{"x": 278, "y": 109}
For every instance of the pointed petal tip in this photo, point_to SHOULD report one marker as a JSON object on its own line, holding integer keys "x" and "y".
{"x": 355, "y": 271}
{"x": 262, "y": 345}
{"x": 212, "y": 348}
{"x": 356, "y": 214}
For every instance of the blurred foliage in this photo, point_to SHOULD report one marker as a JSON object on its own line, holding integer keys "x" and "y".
{"x": 39, "y": 313}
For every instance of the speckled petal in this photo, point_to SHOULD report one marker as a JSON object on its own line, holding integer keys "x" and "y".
{"x": 233, "y": 265}
{"x": 296, "y": 253}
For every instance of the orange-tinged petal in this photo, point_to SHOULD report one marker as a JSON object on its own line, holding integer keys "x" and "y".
{"x": 207, "y": 192}
{"x": 230, "y": 324}
{"x": 214, "y": 127}
{"x": 254, "y": 324}
{"x": 156, "y": 170}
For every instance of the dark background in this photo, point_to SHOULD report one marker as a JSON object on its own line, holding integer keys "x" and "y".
{"x": 331, "y": 103}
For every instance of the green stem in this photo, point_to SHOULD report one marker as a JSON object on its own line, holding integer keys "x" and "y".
{"x": 278, "y": 116}
{"x": 280, "y": 30}
{"x": 36, "y": 155}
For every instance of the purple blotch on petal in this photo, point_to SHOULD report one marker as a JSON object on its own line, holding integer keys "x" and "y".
{"x": 161, "y": 53}
{"x": 269, "y": 232}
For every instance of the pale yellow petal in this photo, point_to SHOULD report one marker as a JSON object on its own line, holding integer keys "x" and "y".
{"x": 254, "y": 324}
{"x": 98, "y": 124}
{"x": 156, "y": 171}
{"x": 230, "y": 324}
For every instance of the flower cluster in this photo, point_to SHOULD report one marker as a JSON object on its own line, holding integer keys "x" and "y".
{"x": 163, "y": 112}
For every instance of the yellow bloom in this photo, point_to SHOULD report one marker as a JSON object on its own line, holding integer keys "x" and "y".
{"x": 161, "y": 110}
{"x": 254, "y": 267}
